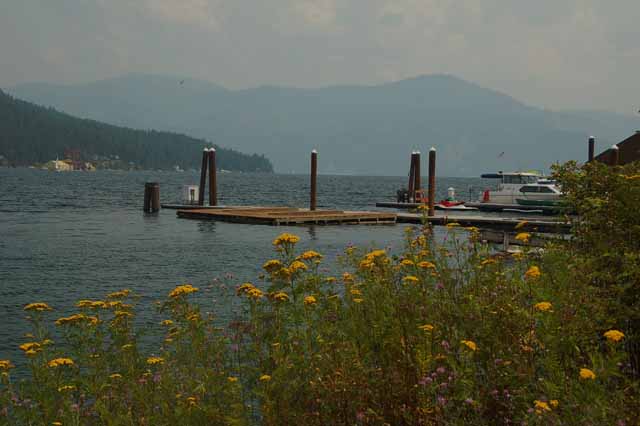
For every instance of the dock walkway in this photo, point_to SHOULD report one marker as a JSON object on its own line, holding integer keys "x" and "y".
{"x": 498, "y": 223}
{"x": 288, "y": 216}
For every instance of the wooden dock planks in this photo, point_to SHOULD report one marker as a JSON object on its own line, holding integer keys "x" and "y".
{"x": 288, "y": 216}
{"x": 501, "y": 223}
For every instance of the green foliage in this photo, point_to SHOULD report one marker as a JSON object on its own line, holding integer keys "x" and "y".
{"x": 33, "y": 134}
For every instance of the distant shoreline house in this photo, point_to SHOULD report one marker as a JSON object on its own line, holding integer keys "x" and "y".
{"x": 629, "y": 151}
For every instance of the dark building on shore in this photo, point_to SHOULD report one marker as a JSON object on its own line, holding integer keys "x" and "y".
{"x": 628, "y": 151}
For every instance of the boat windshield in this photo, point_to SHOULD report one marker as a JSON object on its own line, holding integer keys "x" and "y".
{"x": 519, "y": 179}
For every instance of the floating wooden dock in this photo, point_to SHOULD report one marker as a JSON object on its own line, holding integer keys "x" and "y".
{"x": 488, "y": 222}
{"x": 288, "y": 216}
{"x": 409, "y": 206}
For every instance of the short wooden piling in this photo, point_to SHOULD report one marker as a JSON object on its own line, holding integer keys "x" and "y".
{"x": 417, "y": 186}
{"x": 203, "y": 176}
{"x": 213, "y": 190}
{"x": 412, "y": 178}
{"x": 151, "y": 197}
{"x": 432, "y": 181}
{"x": 592, "y": 143}
{"x": 314, "y": 177}
{"x": 615, "y": 155}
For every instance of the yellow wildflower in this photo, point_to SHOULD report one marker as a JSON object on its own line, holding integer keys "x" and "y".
{"x": 119, "y": 294}
{"x": 470, "y": 344}
{"x": 30, "y": 346}
{"x": 98, "y": 304}
{"x": 281, "y": 296}
{"x": 54, "y": 363}
{"x": 155, "y": 360}
{"x": 532, "y": 273}
{"x": 426, "y": 327}
{"x": 614, "y": 335}
{"x": 355, "y": 292}
{"x": 182, "y": 290}
{"x": 56, "y": 424}
{"x": 245, "y": 288}
{"x": 357, "y": 300}
{"x": 232, "y": 379}
{"x": 521, "y": 224}
{"x": 425, "y": 264}
{"x": 192, "y": 401}
{"x": 272, "y": 265}
{"x": 167, "y": 322}
{"x": 283, "y": 239}
{"x": 115, "y": 376}
{"x": 46, "y": 342}
{"x": 127, "y": 346}
{"x": 472, "y": 229}
{"x": 587, "y": 374}
{"x": 410, "y": 279}
{"x": 542, "y": 306}
{"x": 66, "y": 388}
{"x": 265, "y": 378}
{"x": 330, "y": 279}
{"x": 309, "y": 255}
{"x": 296, "y": 265}
{"x": 487, "y": 262}
{"x": 554, "y": 403}
{"x": 5, "y": 364}
{"x": 407, "y": 262}
{"x": 38, "y": 306}
{"x": 123, "y": 314}
{"x": 541, "y": 405}
{"x": 255, "y": 293}
{"x": 347, "y": 277}
{"x": 310, "y": 300}
{"x": 452, "y": 225}
{"x": 523, "y": 237}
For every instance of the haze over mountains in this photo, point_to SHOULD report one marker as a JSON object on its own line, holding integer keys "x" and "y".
{"x": 356, "y": 129}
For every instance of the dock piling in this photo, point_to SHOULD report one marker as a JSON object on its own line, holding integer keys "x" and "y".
{"x": 592, "y": 143}
{"x": 412, "y": 178}
{"x": 615, "y": 155}
{"x": 432, "y": 181}
{"x": 203, "y": 176}
{"x": 314, "y": 176}
{"x": 213, "y": 189}
{"x": 417, "y": 186}
{"x": 151, "y": 197}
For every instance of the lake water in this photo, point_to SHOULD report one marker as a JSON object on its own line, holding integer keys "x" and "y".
{"x": 71, "y": 236}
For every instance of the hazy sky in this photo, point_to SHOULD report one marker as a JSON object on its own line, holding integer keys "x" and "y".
{"x": 551, "y": 53}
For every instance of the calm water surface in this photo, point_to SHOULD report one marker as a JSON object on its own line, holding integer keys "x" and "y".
{"x": 71, "y": 236}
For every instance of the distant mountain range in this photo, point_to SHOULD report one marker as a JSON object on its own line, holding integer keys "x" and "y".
{"x": 34, "y": 134}
{"x": 356, "y": 129}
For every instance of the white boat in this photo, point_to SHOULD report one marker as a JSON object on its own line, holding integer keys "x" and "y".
{"x": 521, "y": 189}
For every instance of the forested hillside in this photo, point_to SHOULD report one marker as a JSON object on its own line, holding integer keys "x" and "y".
{"x": 33, "y": 134}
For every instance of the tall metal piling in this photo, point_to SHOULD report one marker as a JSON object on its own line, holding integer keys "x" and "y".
{"x": 213, "y": 184}
{"x": 412, "y": 177}
{"x": 417, "y": 185}
{"x": 592, "y": 144}
{"x": 615, "y": 155}
{"x": 314, "y": 178}
{"x": 151, "y": 197}
{"x": 432, "y": 181}
{"x": 203, "y": 176}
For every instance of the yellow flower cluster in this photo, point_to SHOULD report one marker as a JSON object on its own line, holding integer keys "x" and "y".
{"x": 38, "y": 307}
{"x": 66, "y": 388}
{"x": 310, "y": 255}
{"x": 280, "y": 296}
{"x": 167, "y": 322}
{"x": 410, "y": 279}
{"x": 255, "y": 293}
{"x": 310, "y": 300}
{"x": 407, "y": 262}
{"x": 182, "y": 290}
{"x": 523, "y": 237}
{"x": 31, "y": 348}
{"x": 115, "y": 376}
{"x": 93, "y": 304}
{"x": 614, "y": 335}
{"x": 347, "y": 277}
{"x": 5, "y": 364}
{"x": 76, "y": 319}
{"x": 532, "y": 273}
{"x": 452, "y": 225}
{"x": 370, "y": 258}
{"x": 470, "y": 344}
{"x": 426, "y": 327}
{"x": 542, "y": 306}
{"x": 283, "y": 239}
{"x": 586, "y": 374}
{"x": 272, "y": 265}
{"x": 265, "y": 378}
{"x": 296, "y": 266}
{"x": 59, "y": 362}
{"x": 155, "y": 360}
{"x": 521, "y": 224}
{"x": 541, "y": 405}
{"x": 119, "y": 294}
{"x": 425, "y": 264}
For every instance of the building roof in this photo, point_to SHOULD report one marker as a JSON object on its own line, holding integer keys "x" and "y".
{"x": 629, "y": 151}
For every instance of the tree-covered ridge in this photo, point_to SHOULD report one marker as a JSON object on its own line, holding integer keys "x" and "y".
{"x": 31, "y": 133}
